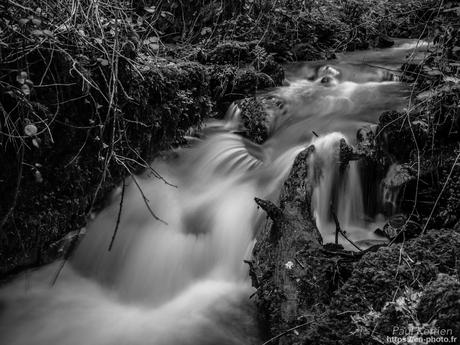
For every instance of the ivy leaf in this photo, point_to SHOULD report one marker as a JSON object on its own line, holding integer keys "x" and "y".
{"x": 48, "y": 33}
{"x": 37, "y": 32}
{"x": 103, "y": 62}
{"x": 36, "y": 21}
{"x": 152, "y": 39}
{"x": 23, "y": 21}
{"x": 25, "y": 89}
{"x": 30, "y": 130}
{"x": 206, "y": 30}
{"x": 154, "y": 46}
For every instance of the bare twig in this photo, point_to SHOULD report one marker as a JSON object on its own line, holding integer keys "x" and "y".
{"x": 119, "y": 215}
{"x": 338, "y": 230}
{"x": 292, "y": 329}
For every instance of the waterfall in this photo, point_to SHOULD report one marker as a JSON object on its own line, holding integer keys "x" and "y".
{"x": 338, "y": 190}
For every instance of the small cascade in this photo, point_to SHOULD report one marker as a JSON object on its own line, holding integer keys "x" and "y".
{"x": 338, "y": 190}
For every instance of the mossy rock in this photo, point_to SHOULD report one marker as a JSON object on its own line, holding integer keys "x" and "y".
{"x": 255, "y": 120}
{"x": 382, "y": 276}
{"x": 232, "y": 52}
{"x": 160, "y": 107}
{"x": 397, "y": 138}
{"x": 441, "y": 302}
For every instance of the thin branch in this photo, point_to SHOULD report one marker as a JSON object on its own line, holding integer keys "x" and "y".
{"x": 291, "y": 329}
{"x": 119, "y": 215}
{"x": 338, "y": 230}
{"x": 147, "y": 201}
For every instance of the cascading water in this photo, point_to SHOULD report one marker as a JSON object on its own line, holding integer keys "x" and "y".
{"x": 181, "y": 279}
{"x": 339, "y": 191}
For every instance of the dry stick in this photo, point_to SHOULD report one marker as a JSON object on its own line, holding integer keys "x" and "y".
{"x": 119, "y": 215}
{"x": 440, "y": 193}
{"x": 338, "y": 230}
{"x": 13, "y": 3}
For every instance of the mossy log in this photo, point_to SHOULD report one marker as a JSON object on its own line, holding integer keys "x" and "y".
{"x": 294, "y": 275}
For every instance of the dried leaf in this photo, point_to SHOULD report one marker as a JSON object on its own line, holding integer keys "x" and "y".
{"x": 35, "y": 142}
{"x": 23, "y": 21}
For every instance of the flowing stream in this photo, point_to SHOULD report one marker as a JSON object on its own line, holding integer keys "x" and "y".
{"x": 181, "y": 279}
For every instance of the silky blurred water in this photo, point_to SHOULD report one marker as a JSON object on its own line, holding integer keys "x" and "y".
{"x": 182, "y": 280}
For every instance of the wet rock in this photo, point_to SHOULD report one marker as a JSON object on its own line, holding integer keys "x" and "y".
{"x": 399, "y": 175}
{"x": 255, "y": 121}
{"x": 399, "y": 228}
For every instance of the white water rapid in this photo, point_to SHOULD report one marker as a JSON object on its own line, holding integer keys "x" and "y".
{"x": 182, "y": 280}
